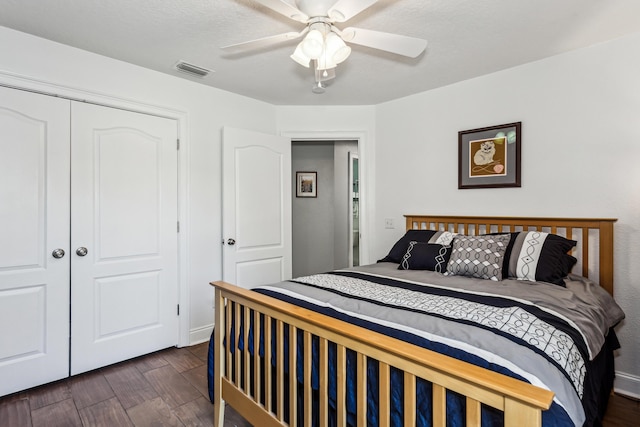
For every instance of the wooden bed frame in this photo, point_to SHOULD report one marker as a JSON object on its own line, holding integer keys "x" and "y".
{"x": 521, "y": 403}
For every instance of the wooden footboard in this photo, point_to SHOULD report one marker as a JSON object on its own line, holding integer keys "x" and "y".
{"x": 521, "y": 402}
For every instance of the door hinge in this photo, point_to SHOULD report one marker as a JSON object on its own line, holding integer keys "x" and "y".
{"x": 177, "y": 144}
{"x": 178, "y": 223}
{"x": 178, "y": 309}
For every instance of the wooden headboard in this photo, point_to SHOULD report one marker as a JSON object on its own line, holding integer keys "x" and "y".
{"x": 594, "y": 250}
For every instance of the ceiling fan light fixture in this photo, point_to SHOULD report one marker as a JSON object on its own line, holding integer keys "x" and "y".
{"x": 312, "y": 44}
{"x": 325, "y": 61}
{"x": 299, "y": 56}
{"x": 336, "y": 48}
{"x": 324, "y": 43}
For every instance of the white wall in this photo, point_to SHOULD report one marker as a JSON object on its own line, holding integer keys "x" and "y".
{"x": 580, "y": 116}
{"x": 206, "y": 111}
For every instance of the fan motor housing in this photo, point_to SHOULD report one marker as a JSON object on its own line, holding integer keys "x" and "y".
{"x": 313, "y": 8}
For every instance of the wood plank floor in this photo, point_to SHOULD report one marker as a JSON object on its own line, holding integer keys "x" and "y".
{"x": 166, "y": 388}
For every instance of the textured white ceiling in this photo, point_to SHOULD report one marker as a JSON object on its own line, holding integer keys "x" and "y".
{"x": 467, "y": 38}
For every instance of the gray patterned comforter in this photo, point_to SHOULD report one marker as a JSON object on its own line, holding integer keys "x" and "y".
{"x": 542, "y": 332}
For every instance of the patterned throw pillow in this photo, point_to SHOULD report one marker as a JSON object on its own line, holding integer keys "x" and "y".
{"x": 400, "y": 247}
{"x": 425, "y": 256}
{"x": 443, "y": 238}
{"x": 478, "y": 256}
{"x": 538, "y": 256}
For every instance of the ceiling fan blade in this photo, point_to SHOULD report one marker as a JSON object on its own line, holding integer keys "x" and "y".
{"x": 263, "y": 42}
{"x": 344, "y": 10}
{"x": 284, "y": 8}
{"x": 394, "y": 43}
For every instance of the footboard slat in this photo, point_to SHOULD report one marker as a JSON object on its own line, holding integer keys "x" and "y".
{"x": 293, "y": 367}
{"x": 521, "y": 403}
{"x": 323, "y": 391}
{"x": 247, "y": 356}
{"x": 236, "y": 340}
{"x": 228, "y": 324}
{"x": 473, "y": 413}
{"x": 341, "y": 392}
{"x": 280, "y": 380}
{"x": 409, "y": 399}
{"x": 439, "y": 406}
{"x": 256, "y": 360}
{"x": 307, "y": 379}
{"x": 384, "y": 405}
{"x": 267, "y": 364}
{"x": 361, "y": 394}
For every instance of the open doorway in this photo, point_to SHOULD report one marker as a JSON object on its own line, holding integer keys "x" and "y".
{"x": 325, "y": 222}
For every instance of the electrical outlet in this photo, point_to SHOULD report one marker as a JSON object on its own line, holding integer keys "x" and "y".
{"x": 388, "y": 223}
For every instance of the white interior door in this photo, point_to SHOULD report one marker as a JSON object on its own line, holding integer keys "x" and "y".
{"x": 34, "y": 222}
{"x": 256, "y": 207}
{"x": 124, "y": 239}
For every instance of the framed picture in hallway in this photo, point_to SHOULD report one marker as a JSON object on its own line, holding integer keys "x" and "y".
{"x": 306, "y": 184}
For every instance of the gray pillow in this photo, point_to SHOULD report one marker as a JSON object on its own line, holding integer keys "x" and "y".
{"x": 478, "y": 256}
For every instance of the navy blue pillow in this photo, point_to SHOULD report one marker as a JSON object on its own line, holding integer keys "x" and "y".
{"x": 568, "y": 263}
{"x": 426, "y": 256}
{"x": 400, "y": 248}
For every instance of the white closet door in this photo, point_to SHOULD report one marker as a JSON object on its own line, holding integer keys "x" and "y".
{"x": 34, "y": 222}
{"x": 124, "y": 215}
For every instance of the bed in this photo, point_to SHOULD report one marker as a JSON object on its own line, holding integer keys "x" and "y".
{"x": 467, "y": 321}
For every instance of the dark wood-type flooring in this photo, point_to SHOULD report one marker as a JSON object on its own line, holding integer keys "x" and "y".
{"x": 166, "y": 388}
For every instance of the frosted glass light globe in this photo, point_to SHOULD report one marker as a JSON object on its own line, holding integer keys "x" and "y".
{"x": 312, "y": 44}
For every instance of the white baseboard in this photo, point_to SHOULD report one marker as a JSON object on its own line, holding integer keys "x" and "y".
{"x": 200, "y": 335}
{"x": 627, "y": 384}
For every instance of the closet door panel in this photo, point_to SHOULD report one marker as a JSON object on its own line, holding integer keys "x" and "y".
{"x": 34, "y": 222}
{"x": 128, "y": 167}
{"x": 124, "y": 213}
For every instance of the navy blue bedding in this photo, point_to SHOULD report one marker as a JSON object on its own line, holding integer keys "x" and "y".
{"x": 590, "y": 377}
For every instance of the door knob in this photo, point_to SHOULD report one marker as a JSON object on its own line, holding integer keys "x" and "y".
{"x": 81, "y": 251}
{"x": 231, "y": 242}
{"x": 58, "y": 253}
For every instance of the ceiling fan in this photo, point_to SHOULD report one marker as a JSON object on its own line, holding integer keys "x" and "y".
{"x": 323, "y": 42}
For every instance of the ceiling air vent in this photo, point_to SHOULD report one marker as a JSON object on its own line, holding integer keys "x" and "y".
{"x": 194, "y": 70}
